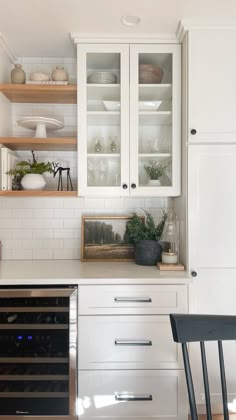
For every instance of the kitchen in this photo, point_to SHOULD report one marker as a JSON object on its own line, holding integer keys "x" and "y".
{"x": 49, "y": 228}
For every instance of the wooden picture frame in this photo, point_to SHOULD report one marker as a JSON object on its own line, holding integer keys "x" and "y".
{"x": 103, "y": 239}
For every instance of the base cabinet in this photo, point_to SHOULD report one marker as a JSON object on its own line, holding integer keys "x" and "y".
{"x": 130, "y": 395}
{"x": 129, "y": 366}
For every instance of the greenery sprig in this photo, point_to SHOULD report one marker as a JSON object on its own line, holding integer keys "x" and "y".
{"x": 138, "y": 230}
{"x": 155, "y": 169}
{"x": 25, "y": 167}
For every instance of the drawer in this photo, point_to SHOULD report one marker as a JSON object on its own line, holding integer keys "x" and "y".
{"x": 126, "y": 395}
{"x": 157, "y": 299}
{"x": 127, "y": 342}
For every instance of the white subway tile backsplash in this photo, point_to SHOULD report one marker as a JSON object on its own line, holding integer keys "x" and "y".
{"x": 72, "y": 223}
{"x": 22, "y": 254}
{"x": 11, "y": 203}
{"x": 43, "y": 233}
{"x": 53, "y": 243}
{"x": 63, "y": 254}
{"x": 32, "y": 244}
{"x": 21, "y": 233}
{"x": 42, "y": 254}
{"x": 12, "y": 244}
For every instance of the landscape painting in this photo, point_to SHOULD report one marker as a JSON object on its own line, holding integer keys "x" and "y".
{"x": 104, "y": 238}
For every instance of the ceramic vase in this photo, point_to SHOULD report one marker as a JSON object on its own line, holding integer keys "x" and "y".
{"x": 147, "y": 252}
{"x": 33, "y": 182}
{"x": 17, "y": 74}
{"x": 59, "y": 74}
{"x": 154, "y": 182}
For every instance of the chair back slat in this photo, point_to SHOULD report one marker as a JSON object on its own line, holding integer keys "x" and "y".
{"x": 206, "y": 381}
{"x": 189, "y": 328}
{"x": 223, "y": 381}
{"x": 189, "y": 381}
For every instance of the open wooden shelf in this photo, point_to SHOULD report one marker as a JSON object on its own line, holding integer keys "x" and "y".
{"x": 36, "y": 143}
{"x": 23, "y": 93}
{"x": 36, "y": 193}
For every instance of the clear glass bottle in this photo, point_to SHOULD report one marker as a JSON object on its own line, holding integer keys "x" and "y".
{"x": 113, "y": 145}
{"x": 98, "y": 145}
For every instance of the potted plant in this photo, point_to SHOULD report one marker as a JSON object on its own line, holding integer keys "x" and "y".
{"x": 145, "y": 235}
{"x": 29, "y": 174}
{"x": 154, "y": 171}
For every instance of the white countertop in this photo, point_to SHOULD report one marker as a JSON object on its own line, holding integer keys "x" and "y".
{"x": 76, "y": 272}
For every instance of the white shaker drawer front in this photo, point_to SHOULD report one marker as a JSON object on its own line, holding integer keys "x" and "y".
{"x": 132, "y": 300}
{"x": 126, "y": 395}
{"x": 127, "y": 342}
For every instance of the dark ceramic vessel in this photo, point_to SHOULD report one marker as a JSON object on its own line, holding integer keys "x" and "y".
{"x": 148, "y": 252}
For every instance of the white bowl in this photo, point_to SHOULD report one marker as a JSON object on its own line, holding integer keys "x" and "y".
{"x": 149, "y": 105}
{"x": 112, "y": 105}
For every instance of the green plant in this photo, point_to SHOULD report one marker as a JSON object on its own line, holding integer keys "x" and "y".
{"x": 25, "y": 167}
{"x": 138, "y": 230}
{"x": 155, "y": 169}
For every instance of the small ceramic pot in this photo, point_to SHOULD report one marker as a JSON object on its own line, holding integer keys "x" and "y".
{"x": 33, "y": 182}
{"x": 17, "y": 74}
{"x": 169, "y": 257}
{"x": 154, "y": 182}
{"x": 39, "y": 76}
{"x": 147, "y": 252}
{"x": 59, "y": 74}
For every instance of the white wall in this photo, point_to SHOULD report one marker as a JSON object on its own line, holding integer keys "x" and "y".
{"x": 50, "y": 228}
{"x": 5, "y": 105}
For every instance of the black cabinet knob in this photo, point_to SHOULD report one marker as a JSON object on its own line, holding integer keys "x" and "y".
{"x": 133, "y": 186}
{"x": 193, "y": 273}
{"x": 125, "y": 186}
{"x": 193, "y": 131}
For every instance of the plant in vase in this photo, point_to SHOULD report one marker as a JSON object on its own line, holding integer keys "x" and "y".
{"x": 155, "y": 170}
{"x": 29, "y": 174}
{"x": 145, "y": 236}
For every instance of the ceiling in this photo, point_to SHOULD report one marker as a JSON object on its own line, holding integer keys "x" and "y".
{"x": 42, "y": 27}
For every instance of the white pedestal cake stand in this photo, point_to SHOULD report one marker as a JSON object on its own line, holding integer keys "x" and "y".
{"x": 40, "y": 124}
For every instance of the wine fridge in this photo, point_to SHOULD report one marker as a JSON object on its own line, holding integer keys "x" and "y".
{"x": 38, "y": 352}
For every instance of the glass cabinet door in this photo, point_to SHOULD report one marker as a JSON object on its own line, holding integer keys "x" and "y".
{"x": 155, "y": 120}
{"x": 103, "y": 119}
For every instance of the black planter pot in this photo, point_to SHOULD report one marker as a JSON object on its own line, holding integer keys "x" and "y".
{"x": 148, "y": 252}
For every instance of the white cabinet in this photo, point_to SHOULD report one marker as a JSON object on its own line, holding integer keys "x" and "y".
{"x": 129, "y": 119}
{"x": 129, "y": 365}
{"x": 212, "y": 88}
{"x": 212, "y": 206}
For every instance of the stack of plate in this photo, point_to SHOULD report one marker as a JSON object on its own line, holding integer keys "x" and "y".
{"x": 102, "y": 77}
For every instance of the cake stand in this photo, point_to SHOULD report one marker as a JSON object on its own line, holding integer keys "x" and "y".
{"x": 40, "y": 124}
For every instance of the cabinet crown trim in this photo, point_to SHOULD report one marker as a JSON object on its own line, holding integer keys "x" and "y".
{"x": 186, "y": 25}
{"x": 99, "y": 38}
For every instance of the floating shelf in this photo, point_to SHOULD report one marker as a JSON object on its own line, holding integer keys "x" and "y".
{"x": 36, "y": 143}
{"x": 22, "y": 93}
{"x": 36, "y": 193}
{"x": 153, "y": 155}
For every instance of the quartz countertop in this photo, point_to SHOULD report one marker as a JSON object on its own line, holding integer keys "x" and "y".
{"x": 60, "y": 272}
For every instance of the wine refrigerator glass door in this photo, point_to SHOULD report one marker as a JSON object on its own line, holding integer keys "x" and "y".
{"x": 38, "y": 353}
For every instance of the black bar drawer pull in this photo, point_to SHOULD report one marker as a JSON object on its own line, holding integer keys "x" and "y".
{"x": 133, "y": 397}
{"x": 127, "y": 342}
{"x": 133, "y": 299}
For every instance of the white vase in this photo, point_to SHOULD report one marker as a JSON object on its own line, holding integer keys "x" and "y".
{"x": 33, "y": 182}
{"x": 59, "y": 74}
{"x": 154, "y": 183}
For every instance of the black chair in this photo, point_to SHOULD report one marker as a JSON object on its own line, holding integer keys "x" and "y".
{"x": 201, "y": 328}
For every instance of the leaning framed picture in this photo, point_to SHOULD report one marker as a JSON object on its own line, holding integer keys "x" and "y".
{"x": 104, "y": 238}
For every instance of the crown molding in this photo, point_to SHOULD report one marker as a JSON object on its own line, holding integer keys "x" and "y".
{"x": 99, "y": 38}
{"x": 186, "y": 25}
{"x": 7, "y": 49}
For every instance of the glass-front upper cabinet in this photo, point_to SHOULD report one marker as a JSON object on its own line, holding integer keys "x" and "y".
{"x": 129, "y": 119}
{"x": 155, "y": 86}
{"x": 103, "y": 119}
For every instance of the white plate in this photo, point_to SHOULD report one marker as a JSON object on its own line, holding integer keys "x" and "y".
{"x": 112, "y": 105}
{"x": 149, "y": 105}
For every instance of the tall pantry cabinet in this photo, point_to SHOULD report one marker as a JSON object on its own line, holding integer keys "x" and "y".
{"x": 209, "y": 178}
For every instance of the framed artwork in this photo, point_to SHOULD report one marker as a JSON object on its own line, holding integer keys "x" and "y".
{"x": 104, "y": 238}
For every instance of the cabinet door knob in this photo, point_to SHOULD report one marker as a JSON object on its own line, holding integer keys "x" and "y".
{"x": 125, "y": 186}
{"x": 133, "y": 186}
{"x": 193, "y": 131}
{"x": 193, "y": 273}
